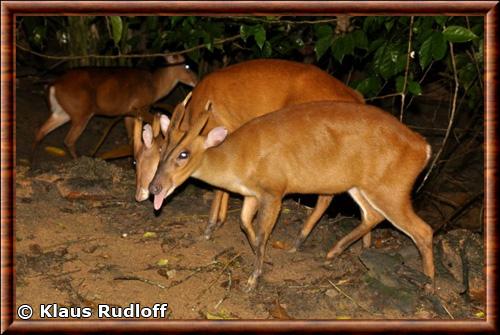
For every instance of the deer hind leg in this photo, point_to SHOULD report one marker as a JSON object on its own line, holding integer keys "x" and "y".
{"x": 397, "y": 208}
{"x": 77, "y": 127}
{"x": 370, "y": 218}
{"x": 55, "y": 120}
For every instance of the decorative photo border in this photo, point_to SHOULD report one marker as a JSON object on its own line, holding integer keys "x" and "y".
{"x": 10, "y": 9}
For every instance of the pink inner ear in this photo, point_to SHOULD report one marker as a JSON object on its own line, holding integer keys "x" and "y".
{"x": 147, "y": 136}
{"x": 215, "y": 137}
{"x": 164, "y": 123}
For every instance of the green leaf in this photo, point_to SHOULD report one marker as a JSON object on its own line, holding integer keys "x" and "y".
{"x": 373, "y": 23}
{"x": 457, "y": 34}
{"x": 441, "y": 20}
{"x": 342, "y": 46}
{"x": 116, "y": 28}
{"x": 322, "y": 45}
{"x": 389, "y": 60}
{"x": 369, "y": 86}
{"x": 260, "y": 36}
{"x": 257, "y": 31}
{"x": 389, "y": 24}
{"x": 360, "y": 40}
{"x": 438, "y": 46}
{"x": 175, "y": 19}
{"x": 400, "y": 81}
{"x": 323, "y": 30}
{"x": 267, "y": 50}
{"x": 414, "y": 87}
{"x": 425, "y": 53}
{"x": 244, "y": 32}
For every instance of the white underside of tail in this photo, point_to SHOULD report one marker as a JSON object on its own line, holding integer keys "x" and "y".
{"x": 429, "y": 152}
{"x": 55, "y": 107}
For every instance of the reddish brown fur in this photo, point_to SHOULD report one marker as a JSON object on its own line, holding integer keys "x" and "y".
{"x": 319, "y": 148}
{"x": 82, "y": 93}
{"x": 246, "y": 90}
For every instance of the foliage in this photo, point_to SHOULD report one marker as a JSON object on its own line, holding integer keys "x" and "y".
{"x": 375, "y": 48}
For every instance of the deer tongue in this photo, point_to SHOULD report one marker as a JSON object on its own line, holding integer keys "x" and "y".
{"x": 158, "y": 201}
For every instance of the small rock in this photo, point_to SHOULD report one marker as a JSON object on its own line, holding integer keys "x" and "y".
{"x": 451, "y": 259}
{"x": 171, "y": 273}
{"x": 332, "y": 293}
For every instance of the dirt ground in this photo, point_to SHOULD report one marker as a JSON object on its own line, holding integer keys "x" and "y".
{"x": 82, "y": 240}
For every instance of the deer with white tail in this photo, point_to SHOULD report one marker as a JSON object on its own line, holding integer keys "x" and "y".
{"x": 81, "y": 93}
{"x": 313, "y": 148}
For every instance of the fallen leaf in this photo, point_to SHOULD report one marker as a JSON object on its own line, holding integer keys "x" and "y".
{"x": 479, "y": 314}
{"x": 378, "y": 243}
{"x": 278, "y": 312}
{"x": 55, "y": 151}
{"x": 280, "y": 245}
{"x": 149, "y": 234}
{"x": 221, "y": 315}
{"x": 343, "y": 317}
{"x": 162, "y": 262}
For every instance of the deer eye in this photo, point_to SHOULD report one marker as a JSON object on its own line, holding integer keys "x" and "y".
{"x": 183, "y": 155}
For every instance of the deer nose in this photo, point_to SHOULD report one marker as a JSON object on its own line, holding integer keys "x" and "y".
{"x": 155, "y": 188}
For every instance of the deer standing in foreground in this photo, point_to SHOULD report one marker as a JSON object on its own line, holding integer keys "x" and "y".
{"x": 313, "y": 148}
{"x": 242, "y": 92}
{"x": 81, "y": 93}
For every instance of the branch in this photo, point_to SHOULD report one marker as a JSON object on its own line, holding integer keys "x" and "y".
{"x": 162, "y": 54}
{"x": 403, "y": 92}
{"x": 452, "y": 118}
{"x": 277, "y": 21}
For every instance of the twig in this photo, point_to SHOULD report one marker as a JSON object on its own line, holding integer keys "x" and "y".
{"x": 465, "y": 205}
{"x": 405, "y": 82}
{"x": 105, "y": 134}
{"x": 278, "y": 21}
{"x": 348, "y": 297}
{"x": 163, "y": 54}
{"x": 442, "y": 199}
{"x": 228, "y": 290}
{"x": 420, "y": 82}
{"x": 67, "y": 243}
{"x": 196, "y": 216}
{"x": 383, "y": 96}
{"x": 446, "y": 309}
{"x": 473, "y": 57}
{"x": 144, "y": 280}
{"x": 450, "y": 123}
{"x": 220, "y": 274}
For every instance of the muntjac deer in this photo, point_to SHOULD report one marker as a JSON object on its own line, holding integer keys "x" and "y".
{"x": 81, "y": 93}
{"x": 148, "y": 145}
{"x": 313, "y": 148}
{"x": 246, "y": 90}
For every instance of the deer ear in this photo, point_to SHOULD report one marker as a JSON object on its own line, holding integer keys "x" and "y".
{"x": 175, "y": 59}
{"x": 215, "y": 137}
{"x": 147, "y": 136}
{"x": 164, "y": 123}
